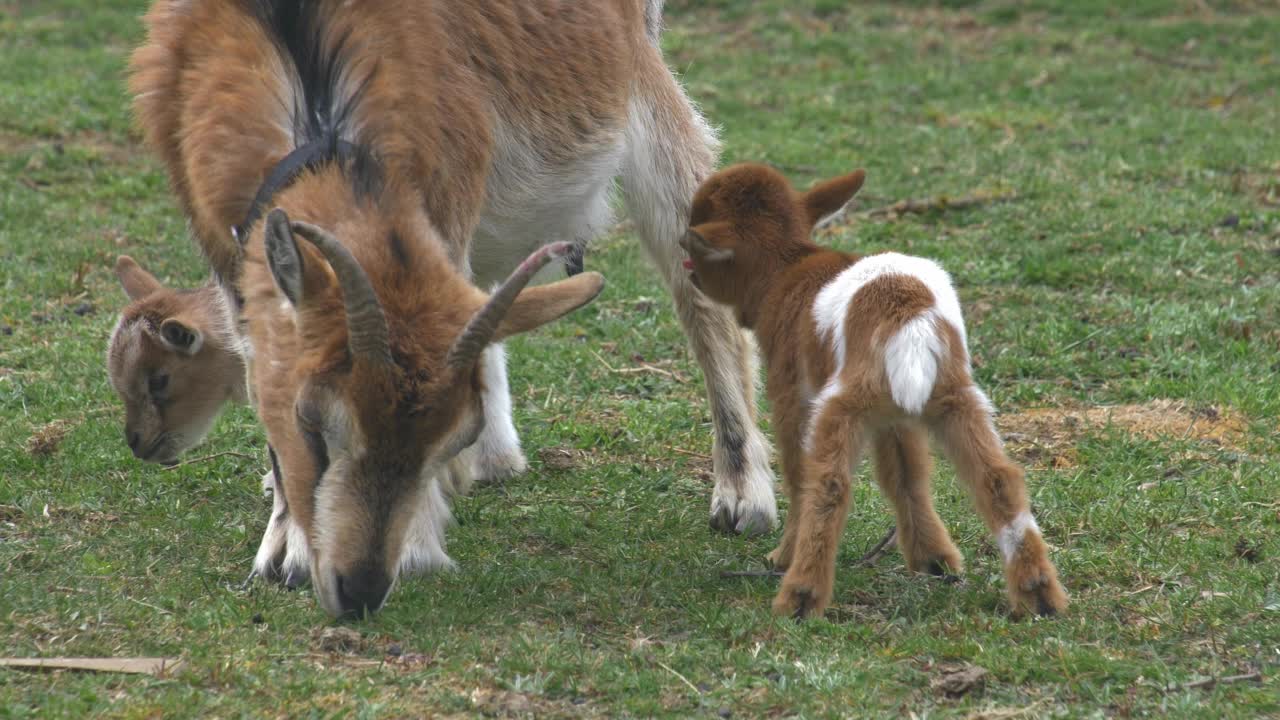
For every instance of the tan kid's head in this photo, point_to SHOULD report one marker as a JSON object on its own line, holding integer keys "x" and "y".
{"x": 746, "y": 222}
{"x": 173, "y": 361}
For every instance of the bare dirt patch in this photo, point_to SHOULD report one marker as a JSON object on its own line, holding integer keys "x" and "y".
{"x": 1046, "y": 437}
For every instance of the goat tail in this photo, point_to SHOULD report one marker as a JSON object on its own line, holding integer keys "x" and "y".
{"x": 911, "y": 360}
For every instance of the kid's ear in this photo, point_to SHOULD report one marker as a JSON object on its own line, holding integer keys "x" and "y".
{"x": 181, "y": 336}
{"x": 829, "y": 196}
{"x": 138, "y": 283}
{"x": 696, "y": 244}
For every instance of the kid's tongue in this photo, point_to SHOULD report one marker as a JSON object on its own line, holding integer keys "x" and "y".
{"x": 688, "y": 263}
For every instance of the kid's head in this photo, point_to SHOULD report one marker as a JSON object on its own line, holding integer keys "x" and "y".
{"x": 747, "y": 222}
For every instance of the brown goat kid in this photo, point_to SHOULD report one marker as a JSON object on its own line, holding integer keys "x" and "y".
{"x": 861, "y": 351}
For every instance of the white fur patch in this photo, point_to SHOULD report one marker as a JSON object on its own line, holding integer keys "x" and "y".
{"x": 1010, "y": 536}
{"x": 913, "y": 354}
{"x": 424, "y": 541}
{"x": 831, "y": 307}
{"x": 496, "y": 452}
{"x": 911, "y": 360}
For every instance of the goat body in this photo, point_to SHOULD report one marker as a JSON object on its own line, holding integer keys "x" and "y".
{"x": 454, "y": 139}
{"x": 860, "y": 351}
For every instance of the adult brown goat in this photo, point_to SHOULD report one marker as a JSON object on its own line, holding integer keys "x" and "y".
{"x": 427, "y": 146}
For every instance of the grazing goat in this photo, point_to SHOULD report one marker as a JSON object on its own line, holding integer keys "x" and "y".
{"x": 503, "y": 122}
{"x": 859, "y": 351}
{"x": 421, "y": 147}
{"x": 174, "y": 359}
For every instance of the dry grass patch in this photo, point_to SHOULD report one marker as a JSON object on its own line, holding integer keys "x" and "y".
{"x": 1046, "y": 437}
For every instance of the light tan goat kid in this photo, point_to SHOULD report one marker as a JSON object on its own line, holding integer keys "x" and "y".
{"x": 175, "y": 359}
{"x": 417, "y": 148}
{"x": 860, "y": 351}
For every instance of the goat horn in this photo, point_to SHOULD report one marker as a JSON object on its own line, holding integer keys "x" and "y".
{"x": 367, "y": 335}
{"x": 484, "y": 324}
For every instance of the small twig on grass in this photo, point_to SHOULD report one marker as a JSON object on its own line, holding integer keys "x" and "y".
{"x": 1084, "y": 339}
{"x": 214, "y": 456}
{"x": 642, "y": 368}
{"x": 880, "y": 548}
{"x": 1173, "y": 61}
{"x": 940, "y": 204}
{"x": 683, "y": 679}
{"x": 1208, "y": 683}
{"x": 690, "y": 453}
{"x": 157, "y": 608}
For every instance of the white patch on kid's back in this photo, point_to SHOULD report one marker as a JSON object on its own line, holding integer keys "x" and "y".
{"x": 913, "y": 354}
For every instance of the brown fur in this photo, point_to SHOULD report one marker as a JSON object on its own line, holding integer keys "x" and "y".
{"x": 556, "y": 70}
{"x": 750, "y": 248}
{"x": 214, "y": 95}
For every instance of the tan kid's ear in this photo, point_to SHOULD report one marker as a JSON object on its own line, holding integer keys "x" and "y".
{"x": 696, "y": 244}
{"x": 181, "y": 336}
{"x": 537, "y": 306}
{"x": 138, "y": 283}
{"x": 827, "y": 197}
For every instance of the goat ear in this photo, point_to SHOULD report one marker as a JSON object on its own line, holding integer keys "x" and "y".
{"x": 697, "y": 244}
{"x": 138, "y": 283}
{"x": 181, "y": 336}
{"x": 539, "y": 305}
{"x": 283, "y": 256}
{"x": 829, "y": 196}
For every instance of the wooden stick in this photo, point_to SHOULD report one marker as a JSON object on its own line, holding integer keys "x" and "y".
{"x": 1208, "y": 683}
{"x": 683, "y": 679}
{"x": 880, "y": 548}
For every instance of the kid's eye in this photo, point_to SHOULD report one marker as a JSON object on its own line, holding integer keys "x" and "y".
{"x": 158, "y": 382}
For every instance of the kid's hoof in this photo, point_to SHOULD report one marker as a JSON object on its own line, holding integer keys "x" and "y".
{"x": 779, "y": 559}
{"x": 1041, "y": 596}
{"x": 943, "y": 572}
{"x": 799, "y": 602}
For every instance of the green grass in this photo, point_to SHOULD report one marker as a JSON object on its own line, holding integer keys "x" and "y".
{"x": 1139, "y": 261}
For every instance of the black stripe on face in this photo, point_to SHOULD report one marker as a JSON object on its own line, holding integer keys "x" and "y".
{"x": 315, "y": 443}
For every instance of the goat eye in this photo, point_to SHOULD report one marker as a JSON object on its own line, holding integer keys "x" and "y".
{"x": 157, "y": 382}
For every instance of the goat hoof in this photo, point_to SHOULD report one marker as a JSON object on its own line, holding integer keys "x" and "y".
{"x": 743, "y": 513}
{"x": 942, "y": 571}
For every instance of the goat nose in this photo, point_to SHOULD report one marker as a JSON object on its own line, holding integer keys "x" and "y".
{"x": 133, "y": 439}
{"x": 362, "y": 593}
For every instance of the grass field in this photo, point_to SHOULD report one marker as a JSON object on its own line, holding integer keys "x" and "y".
{"x": 1121, "y": 272}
